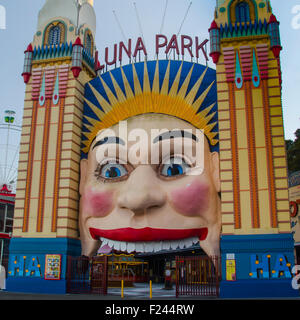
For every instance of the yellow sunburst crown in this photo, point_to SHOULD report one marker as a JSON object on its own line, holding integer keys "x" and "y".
{"x": 181, "y": 89}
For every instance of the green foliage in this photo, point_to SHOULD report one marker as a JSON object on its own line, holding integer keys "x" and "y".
{"x": 293, "y": 153}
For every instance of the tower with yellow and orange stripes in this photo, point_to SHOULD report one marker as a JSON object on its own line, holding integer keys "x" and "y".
{"x": 58, "y": 63}
{"x": 256, "y": 233}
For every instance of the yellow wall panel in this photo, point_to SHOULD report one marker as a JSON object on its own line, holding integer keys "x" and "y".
{"x": 276, "y": 121}
{"x": 275, "y": 101}
{"x": 283, "y": 205}
{"x": 224, "y": 125}
{"x": 241, "y": 129}
{"x": 227, "y": 218}
{"x": 49, "y": 186}
{"x": 280, "y": 173}
{"x": 257, "y": 98}
{"x": 240, "y": 99}
{"x": 278, "y": 141}
{"x": 281, "y": 183}
{"x": 277, "y": 131}
{"x": 227, "y": 207}
{"x": 224, "y": 165}
{"x": 223, "y": 95}
{"x": 259, "y": 125}
{"x": 246, "y": 221}
{"x": 226, "y": 175}
{"x": 280, "y": 162}
{"x": 226, "y": 186}
{"x": 224, "y": 105}
{"x": 223, "y": 115}
{"x": 227, "y": 196}
{"x": 36, "y": 174}
{"x": 264, "y": 209}
{"x": 279, "y": 152}
{"x": 244, "y": 170}
{"x": 275, "y": 111}
{"x": 52, "y": 147}
{"x": 38, "y": 143}
{"x": 284, "y": 227}
{"x": 262, "y": 169}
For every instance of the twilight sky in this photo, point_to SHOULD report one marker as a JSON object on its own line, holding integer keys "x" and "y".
{"x": 21, "y": 22}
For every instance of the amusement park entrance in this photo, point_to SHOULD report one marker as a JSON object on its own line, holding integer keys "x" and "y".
{"x": 196, "y": 275}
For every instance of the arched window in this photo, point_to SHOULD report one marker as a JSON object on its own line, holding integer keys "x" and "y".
{"x": 242, "y": 12}
{"x": 54, "y": 36}
{"x": 54, "y": 33}
{"x": 89, "y": 42}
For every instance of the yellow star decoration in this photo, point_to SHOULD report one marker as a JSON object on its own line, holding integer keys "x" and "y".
{"x": 165, "y": 100}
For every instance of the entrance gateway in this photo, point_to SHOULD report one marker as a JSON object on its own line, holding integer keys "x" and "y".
{"x": 194, "y": 276}
{"x": 69, "y": 200}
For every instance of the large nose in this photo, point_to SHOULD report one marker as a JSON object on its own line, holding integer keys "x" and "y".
{"x": 141, "y": 191}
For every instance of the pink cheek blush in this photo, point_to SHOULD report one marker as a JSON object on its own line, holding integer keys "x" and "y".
{"x": 191, "y": 200}
{"x": 97, "y": 204}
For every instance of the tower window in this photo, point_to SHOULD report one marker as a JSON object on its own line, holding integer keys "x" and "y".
{"x": 89, "y": 42}
{"x": 54, "y": 36}
{"x": 242, "y": 12}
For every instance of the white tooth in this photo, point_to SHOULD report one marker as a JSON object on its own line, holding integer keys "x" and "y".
{"x": 195, "y": 240}
{"x": 110, "y": 243}
{"x": 149, "y": 246}
{"x": 123, "y": 246}
{"x": 104, "y": 241}
{"x": 188, "y": 242}
{"x": 130, "y": 247}
{"x": 181, "y": 244}
{"x": 157, "y": 246}
{"x": 175, "y": 245}
{"x": 166, "y": 245}
{"x": 139, "y": 247}
{"x": 117, "y": 245}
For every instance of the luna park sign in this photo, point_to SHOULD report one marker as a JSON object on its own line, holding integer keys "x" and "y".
{"x": 177, "y": 45}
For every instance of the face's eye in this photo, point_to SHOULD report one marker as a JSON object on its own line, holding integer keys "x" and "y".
{"x": 174, "y": 167}
{"x": 113, "y": 171}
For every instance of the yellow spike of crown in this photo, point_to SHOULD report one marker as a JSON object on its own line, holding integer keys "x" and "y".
{"x": 173, "y": 100}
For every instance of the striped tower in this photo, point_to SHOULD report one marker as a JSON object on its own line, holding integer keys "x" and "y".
{"x": 58, "y": 63}
{"x": 256, "y": 233}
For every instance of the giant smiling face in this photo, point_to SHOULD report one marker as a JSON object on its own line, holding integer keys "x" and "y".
{"x": 145, "y": 206}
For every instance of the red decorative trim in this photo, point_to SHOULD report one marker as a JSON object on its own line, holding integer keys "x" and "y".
{"x": 229, "y": 61}
{"x": 246, "y": 61}
{"x": 262, "y": 57}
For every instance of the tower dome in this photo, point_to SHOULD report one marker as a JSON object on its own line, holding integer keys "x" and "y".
{"x": 58, "y": 8}
{"x": 68, "y": 9}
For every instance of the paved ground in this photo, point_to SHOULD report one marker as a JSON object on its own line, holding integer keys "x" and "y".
{"x": 141, "y": 291}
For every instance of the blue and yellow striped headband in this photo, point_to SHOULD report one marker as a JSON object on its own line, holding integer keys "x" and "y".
{"x": 181, "y": 89}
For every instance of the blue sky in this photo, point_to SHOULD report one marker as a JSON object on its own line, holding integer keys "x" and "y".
{"x": 21, "y": 22}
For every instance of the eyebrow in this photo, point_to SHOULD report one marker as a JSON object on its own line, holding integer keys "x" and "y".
{"x": 175, "y": 134}
{"x": 109, "y": 140}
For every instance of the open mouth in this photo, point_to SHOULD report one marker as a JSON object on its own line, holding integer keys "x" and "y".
{"x": 149, "y": 240}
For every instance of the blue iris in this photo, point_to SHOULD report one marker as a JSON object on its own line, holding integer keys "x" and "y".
{"x": 174, "y": 170}
{"x": 113, "y": 171}
{"x": 175, "y": 167}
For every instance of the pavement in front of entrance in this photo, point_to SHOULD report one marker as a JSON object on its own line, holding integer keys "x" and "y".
{"x": 140, "y": 291}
